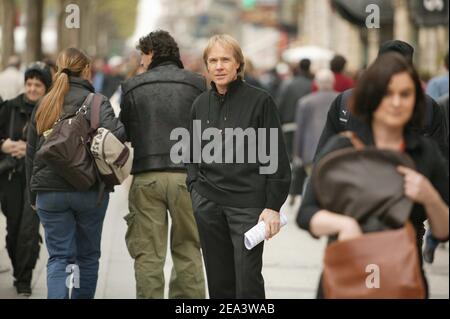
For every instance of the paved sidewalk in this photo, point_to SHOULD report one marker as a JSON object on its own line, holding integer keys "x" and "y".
{"x": 292, "y": 261}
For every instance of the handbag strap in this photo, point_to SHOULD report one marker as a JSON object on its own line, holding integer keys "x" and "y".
{"x": 95, "y": 101}
{"x": 95, "y": 111}
{"x": 354, "y": 139}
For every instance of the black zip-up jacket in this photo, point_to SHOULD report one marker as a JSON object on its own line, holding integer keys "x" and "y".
{"x": 153, "y": 104}
{"x": 22, "y": 109}
{"x": 41, "y": 177}
{"x": 240, "y": 184}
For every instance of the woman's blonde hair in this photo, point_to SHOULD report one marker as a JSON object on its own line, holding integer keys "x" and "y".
{"x": 226, "y": 41}
{"x": 72, "y": 62}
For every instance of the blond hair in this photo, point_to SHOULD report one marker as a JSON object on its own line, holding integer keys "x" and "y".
{"x": 226, "y": 41}
{"x": 73, "y": 62}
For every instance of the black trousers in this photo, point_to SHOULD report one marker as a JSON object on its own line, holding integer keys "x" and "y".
{"x": 231, "y": 269}
{"x": 22, "y": 226}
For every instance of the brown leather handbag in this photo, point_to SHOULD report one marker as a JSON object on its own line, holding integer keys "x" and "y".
{"x": 66, "y": 148}
{"x": 384, "y": 261}
{"x": 375, "y": 265}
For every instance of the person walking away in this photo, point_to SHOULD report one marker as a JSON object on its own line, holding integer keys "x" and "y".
{"x": 154, "y": 103}
{"x": 311, "y": 116}
{"x": 72, "y": 219}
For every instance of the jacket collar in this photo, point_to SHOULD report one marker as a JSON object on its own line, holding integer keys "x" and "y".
{"x": 77, "y": 81}
{"x": 232, "y": 87}
{"x": 23, "y": 104}
{"x": 165, "y": 61}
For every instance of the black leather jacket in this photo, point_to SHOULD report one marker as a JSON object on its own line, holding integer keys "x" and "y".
{"x": 41, "y": 177}
{"x": 153, "y": 104}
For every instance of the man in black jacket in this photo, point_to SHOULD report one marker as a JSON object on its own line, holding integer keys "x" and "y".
{"x": 232, "y": 194}
{"x": 339, "y": 118}
{"x": 154, "y": 103}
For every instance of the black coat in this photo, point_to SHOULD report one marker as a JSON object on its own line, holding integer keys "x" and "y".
{"x": 42, "y": 177}
{"x": 153, "y": 104}
{"x": 22, "y": 109}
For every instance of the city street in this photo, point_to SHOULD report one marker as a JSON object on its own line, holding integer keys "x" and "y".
{"x": 292, "y": 261}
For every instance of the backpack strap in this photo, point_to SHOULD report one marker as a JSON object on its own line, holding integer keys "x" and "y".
{"x": 344, "y": 113}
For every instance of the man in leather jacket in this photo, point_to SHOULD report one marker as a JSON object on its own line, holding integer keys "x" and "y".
{"x": 153, "y": 104}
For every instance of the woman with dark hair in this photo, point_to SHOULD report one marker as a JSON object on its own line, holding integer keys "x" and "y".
{"x": 390, "y": 99}
{"x": 22, "y": 224}
{"x": 72, "y": 220}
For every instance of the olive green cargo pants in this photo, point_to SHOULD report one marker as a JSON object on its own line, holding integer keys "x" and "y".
{"x": 151, "y": 196}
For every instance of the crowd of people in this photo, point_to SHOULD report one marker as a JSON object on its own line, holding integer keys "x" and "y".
{"x": 299, "y": 117}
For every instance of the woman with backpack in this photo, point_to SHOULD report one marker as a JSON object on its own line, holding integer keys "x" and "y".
{"x": 22, "y": 224}
{"x": 389, "y": 99}
{"x": 72, "y": 219}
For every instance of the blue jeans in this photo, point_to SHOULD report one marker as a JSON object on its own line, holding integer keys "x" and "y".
{"x": 73, "y": 224}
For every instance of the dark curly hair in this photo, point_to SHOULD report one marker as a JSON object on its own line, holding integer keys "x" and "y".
{"x": 160, "y": 43}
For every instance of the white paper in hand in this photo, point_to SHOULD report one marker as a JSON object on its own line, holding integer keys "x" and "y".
{"x": 258, "y": 233}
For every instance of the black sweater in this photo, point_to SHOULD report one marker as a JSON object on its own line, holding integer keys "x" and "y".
{"x": 240, "y": 184}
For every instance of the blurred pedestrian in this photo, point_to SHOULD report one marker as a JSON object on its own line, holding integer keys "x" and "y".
{"x": 390, "y": 101}
{"x": 298, "y": 87}
{"x": 311, "y": 116}
{"x": 51, "y": 64}
{"x": 22, "y": 224}
{"x": 98, "y": 72}
{"x": 304, "y": 69}
{"x": 72, "y": 219}
{"x": 11, "y": 79}
{"x": 250, "y": 75}
{"x": 230, "y": 198}
{"x": 155, "y": 103}
{"x": 342, "y": 82}
{"x": 438, "y": 86}
{"x": 114, "y": 78}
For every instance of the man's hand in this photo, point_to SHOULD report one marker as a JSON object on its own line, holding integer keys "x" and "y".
{"x": 272, "y": 220}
